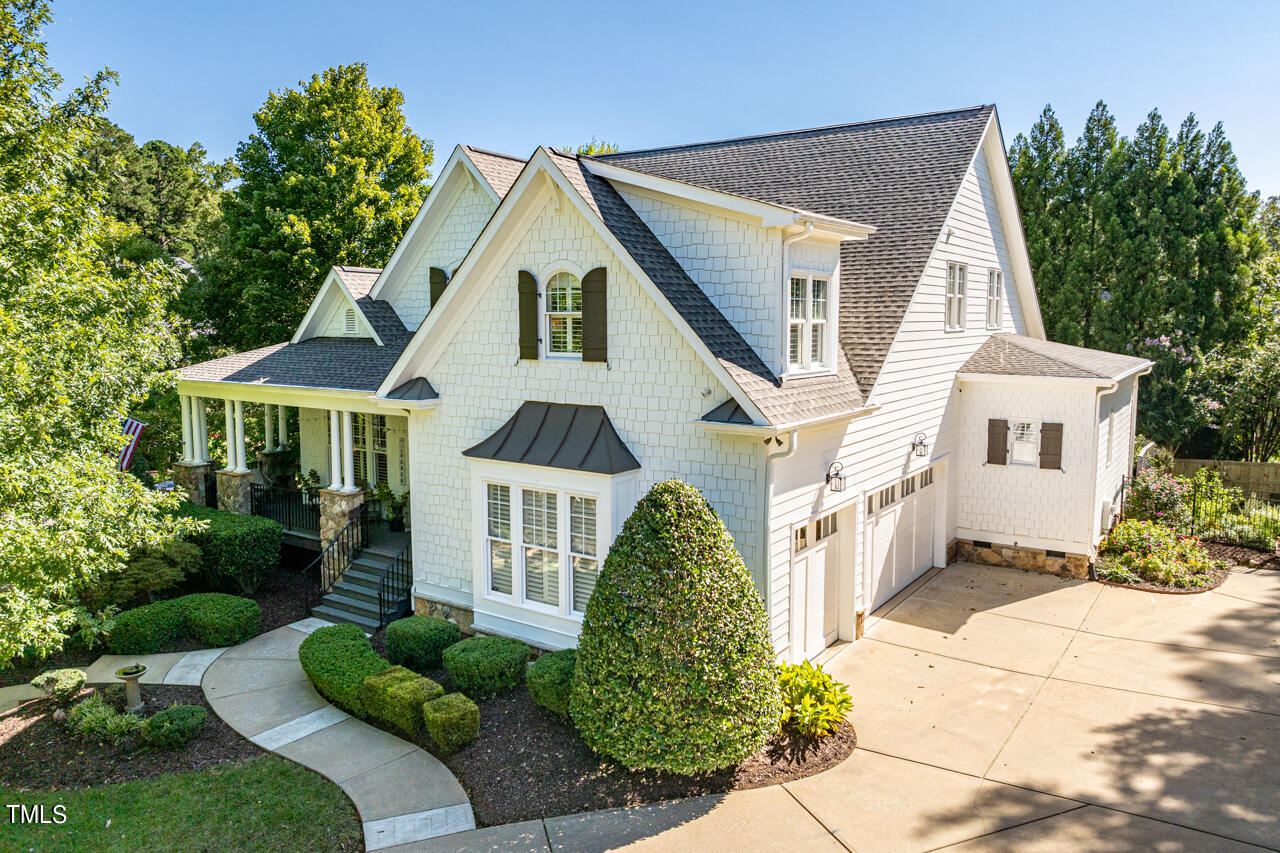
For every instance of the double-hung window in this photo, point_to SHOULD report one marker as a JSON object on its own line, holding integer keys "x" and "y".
{"x": 955, "y": 308}
{"x": 1025, "y": 446}
{"x": 542, "y": 546}
{"x": 564, "y": 316}
{"x": 369, "y": 448}
{"x": 995, "y": 297}
{"x": 808, "y": 338}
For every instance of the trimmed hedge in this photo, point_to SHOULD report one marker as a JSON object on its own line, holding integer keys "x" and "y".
{"x": 395, "y": 696}
{"x": 238, "y": 551}
{"x": 60, "y": 685}
{"x": 174, "y": 727}
{"x": 337, "y": 659}
{"x": 551, "y": 681}
{"x": 453, "y": 721}
{"x": 211, "y": 618}
{"x": 486, "y": 666}
{"x": 418, "y": 642}
{"x": 675, "y": 669}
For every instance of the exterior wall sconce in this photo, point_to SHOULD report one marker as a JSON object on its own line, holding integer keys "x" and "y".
{"x": 835, "y": 479}
{"x": 918, "y": 446}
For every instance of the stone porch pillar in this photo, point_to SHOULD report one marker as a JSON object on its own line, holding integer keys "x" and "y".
{"x": 233, "y": 491}
{"x": 189, "y": 477}
{"x": 337, "y": 508}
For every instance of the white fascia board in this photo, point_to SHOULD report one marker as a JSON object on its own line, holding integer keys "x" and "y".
{"x": 334, "y": 279}
{"x": 408, "y": 405}
{"x": 302, "y": 396}
{"x": 770, "y": 215}
{"x": 438, "y": 197}
{"x": 767, "y": 430}
{"x": 484, "y": 254}
{"x": 1011, "y": 220}
{"x": 1040, "y": 381}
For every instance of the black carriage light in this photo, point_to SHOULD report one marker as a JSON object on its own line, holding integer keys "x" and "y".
{"x": 918, "y": 445}
{"x": 835, "y": 479}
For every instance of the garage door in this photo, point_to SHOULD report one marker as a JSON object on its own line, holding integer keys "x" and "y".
{"x": 899, "y": 535}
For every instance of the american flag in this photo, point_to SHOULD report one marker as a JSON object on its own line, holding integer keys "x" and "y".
{"x": 132, "y": 430}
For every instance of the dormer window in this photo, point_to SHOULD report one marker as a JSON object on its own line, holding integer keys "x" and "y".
{"x": 563, "y": 316}
{"x": 809, "y": 340}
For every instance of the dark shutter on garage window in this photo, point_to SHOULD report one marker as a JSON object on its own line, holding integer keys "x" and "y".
{"x": 528, "y": 286}
{"x": 997, "y": 442}
{"x": 1051, "y": 446}
{"x": 439, "y": 281}
{"x": 595, "y": 343}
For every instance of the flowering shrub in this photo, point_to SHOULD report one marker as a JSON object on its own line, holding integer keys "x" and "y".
{"x": 1158, "y": 496}
{"x": 1142, "y": 551}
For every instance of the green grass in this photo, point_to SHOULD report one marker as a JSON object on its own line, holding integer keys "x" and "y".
{"x": 263, "y": 804}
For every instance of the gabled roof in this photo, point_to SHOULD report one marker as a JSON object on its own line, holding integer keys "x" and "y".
{"x": 359, "y": 280}
{"x": 415, "y": 390}
{"x": 1017, "y": 355}
{"x": 780, "y": 403}
{"x": 555, "y": 435}
{"x": 900, "y": 175}
{"x": 349, "y": 364}
{"x": 500, "y": 170}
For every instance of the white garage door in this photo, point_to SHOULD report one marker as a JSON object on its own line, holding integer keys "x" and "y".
{"x": 899, "y": 535}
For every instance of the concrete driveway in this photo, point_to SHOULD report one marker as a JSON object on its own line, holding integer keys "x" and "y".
{"x": 998, "y": 709}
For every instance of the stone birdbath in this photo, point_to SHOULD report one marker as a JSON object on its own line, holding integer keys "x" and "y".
{"x": 132, "y": 690}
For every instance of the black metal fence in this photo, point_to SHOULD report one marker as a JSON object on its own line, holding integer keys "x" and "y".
{"x": 293, "y": 508}
{"x": 1232, "y": 515}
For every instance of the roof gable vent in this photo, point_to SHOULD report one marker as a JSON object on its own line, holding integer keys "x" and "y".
{"x": 350, "y": 323}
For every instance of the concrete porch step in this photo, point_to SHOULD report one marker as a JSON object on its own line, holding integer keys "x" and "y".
{"x": 333, "y": 614}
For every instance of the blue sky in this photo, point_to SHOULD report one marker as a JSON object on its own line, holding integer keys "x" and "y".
{"x": 510, "y": 76}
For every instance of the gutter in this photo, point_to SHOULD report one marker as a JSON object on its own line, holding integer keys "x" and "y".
{"x": 769, "y": 430}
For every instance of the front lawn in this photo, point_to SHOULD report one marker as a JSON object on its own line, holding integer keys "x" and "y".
{"x": 265, "y": 804}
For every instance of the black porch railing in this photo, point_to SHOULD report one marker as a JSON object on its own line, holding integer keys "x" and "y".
{"x": 339, "y": 554}
{"x": 394, "y": 586}
{"x": 291, "y": 507}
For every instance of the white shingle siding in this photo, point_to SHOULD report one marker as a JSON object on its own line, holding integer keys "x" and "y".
{"x": 1111, "y": 472}
{"x": 446, "y": 249}
{"x": 1025, "y": 504}
{"x": 737, "y": 264}
{"x": 652, "y": 389}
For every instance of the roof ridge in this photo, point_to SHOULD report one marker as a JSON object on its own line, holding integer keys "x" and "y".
{"x": 785, "y": 133}
{"x": 495, "y": 153}
{"x": 357, "y": 269}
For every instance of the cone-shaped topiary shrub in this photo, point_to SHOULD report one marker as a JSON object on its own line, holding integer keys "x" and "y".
{"x": 675, "y": 670}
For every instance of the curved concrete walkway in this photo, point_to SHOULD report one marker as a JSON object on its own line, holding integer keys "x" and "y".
{"x": 404, "y": 795}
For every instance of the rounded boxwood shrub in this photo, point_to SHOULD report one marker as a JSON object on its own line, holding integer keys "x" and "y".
{"x": 148, "y": 629}
{"x": 551, "y": 680}
{"x": 237, "y": 551}
{"x": 337, "y": 659}
{"x": 173, "y": 727}
{"x": 418, "y": 642}
{"x": 395, "y": 696}
{"x": 217, "y": 619}
{"x": 675, "y": 670}
{"x": 486, "y": 666}
{"x": 453, "y": 721}
{"x": 60, "y": 685}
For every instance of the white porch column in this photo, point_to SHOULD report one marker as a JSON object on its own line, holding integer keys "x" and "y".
{"x": 268, "y": 428}
{"x": 282, "y": 428}
{"x": 335, "y": 451}
{"x": 240, "y": 468}
{"x": 231, "y": 435}
{"x": 348, "y": 455}
{"x": 188, "y": 444}
{"x": 200, "y": 430}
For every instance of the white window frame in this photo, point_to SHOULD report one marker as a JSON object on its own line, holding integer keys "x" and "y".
{"x": 995, "y": 298}
{"x": 954, "y": 305}
{"x": 1034, "y": 442}
{"x": 545, "y": 314}
{"x": 806, "y": 324}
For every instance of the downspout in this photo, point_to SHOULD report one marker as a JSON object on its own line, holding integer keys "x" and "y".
{"x": 765, "y": 514}
{"x": 785, "y": 292}
{"x": 1100, "y": 392}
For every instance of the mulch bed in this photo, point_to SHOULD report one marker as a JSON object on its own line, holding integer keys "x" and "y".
{"x": 40, "y": 752}
{"x": 527, "y": 763}
{"x": 73, "y": 657}
{"x": 1239, "y": 555}
{"x": 1218, "y": 577}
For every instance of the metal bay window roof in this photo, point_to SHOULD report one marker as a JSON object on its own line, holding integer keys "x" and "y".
{"x": 558, "y": 435}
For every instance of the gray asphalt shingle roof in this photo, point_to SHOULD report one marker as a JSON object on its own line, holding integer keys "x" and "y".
{"x": 1017, "y": 355}
{"x": 349, "y": 364}
{"x": 900, "y": 175}
{"x": 500, "y": 170}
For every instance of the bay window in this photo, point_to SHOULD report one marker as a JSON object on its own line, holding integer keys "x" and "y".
{"x": 808, "y": 339}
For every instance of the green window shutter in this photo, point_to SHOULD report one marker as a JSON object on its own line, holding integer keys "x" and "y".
{"x": 595, "y": 336}
{"x": 528, "y": 315}
{"x": 997, "y": 442}
{"x": 439, "y": 281}
{"x": 1051, "y": 446}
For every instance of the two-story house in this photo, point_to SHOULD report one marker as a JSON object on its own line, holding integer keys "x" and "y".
{"x": 832, "y": 333}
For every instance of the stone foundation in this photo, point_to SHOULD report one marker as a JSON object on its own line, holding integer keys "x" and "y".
{"x": 336, "y": 510}
{"x": 189, "y": 477}
{"x": 461, "y": 615}
{"x": 1016, "y": 557}
{"x": 233, "y": 491}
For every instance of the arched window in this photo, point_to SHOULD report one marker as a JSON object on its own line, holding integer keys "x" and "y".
{"x": 563, "y": 314}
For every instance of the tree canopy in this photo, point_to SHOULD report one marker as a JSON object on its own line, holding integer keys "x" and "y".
{"x": 83, "y": 337}
{"x": 332, "y": 175}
